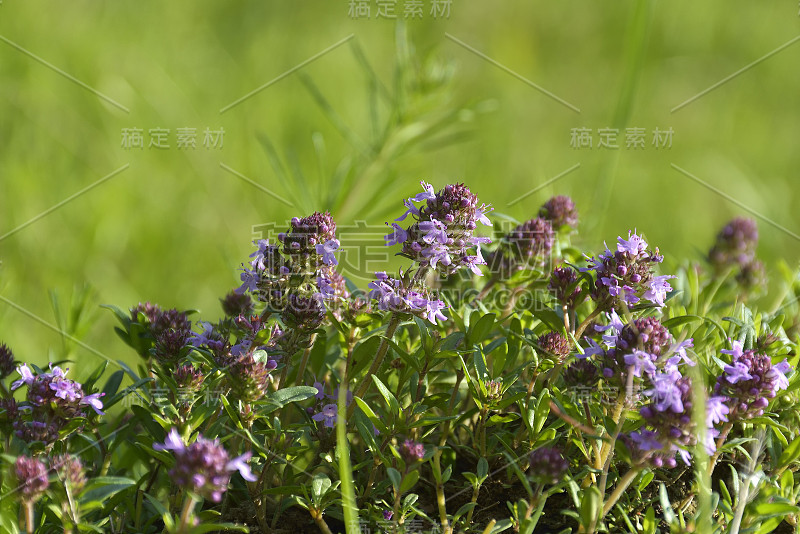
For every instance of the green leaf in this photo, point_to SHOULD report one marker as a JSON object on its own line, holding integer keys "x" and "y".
{"x": 71, "y": 426}
{"x": 395, "y": 477}
{"x": 542, "y": 411}
{"x": 591, "y": 505}
{"x": 113, "y": 383}
{"x": 320, "y": 486}
{"x": 423, "y": 330}
{"x": 432, "y": 420}
{"x": 390, "y": 399}
{"x": 479, "y": 330}
{"x": 284, "y": 396}
{"x": 669, "y": 513}
{"x": 650, "y": 522}
{"x": 101, "y": 488}
{"x": 364, "y": 407}
{"x": 463, "y": 510}
{"x": 479, "y": 361}
{"x": 363, "y": 354}
{"x": 409, "y": 481}
{"x": 364, "y": 426}
{"x": 647, "y": 477}
{"x": 774, "y": 509}
{"x": 550, "y": 318}
{"x": 790, "y": 453}
{"x": 96, "y": 374}
{"x": 483, "y": 469}
{"x": 232, "y": 413}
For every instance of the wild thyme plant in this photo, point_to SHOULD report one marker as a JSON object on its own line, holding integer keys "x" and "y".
{"x": 512, "y": 382}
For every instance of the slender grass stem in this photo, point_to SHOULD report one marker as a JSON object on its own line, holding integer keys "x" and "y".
{"x": 394, "y": 322}
{"x": 304, "y": 361}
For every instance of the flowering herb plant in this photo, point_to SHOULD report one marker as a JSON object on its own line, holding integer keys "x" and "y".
{"x": 500, "y": 380}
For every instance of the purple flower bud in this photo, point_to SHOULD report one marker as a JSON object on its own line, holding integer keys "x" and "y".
{"x": 547, "y": 465}
{"x": 555, "y": 344}
{"x": 736, "y": 244}
{"x": 32, "y": 478}
{"x": 412, "y": 452}
{"x": 235, "y": 304}
{"x": 561, "y": 280}
{"x": 560, "y": 210}
{"x": 7, "y": 363}
{"x": 70, "y": 472}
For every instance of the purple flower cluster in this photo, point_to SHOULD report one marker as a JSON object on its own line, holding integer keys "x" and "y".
{"x": 212, "y": 339}
{"x": 237, "y": 303}
{"x": 442, "y": 234}
{"x": 547, "y": 465}
{"x": 301, "y": 263}
{"x": 247, "y": 365}
{"x": 296, "y": 276}
{"x": 526, "y": 246}
{"x": 750, "y": 381}
{"x": 646, "y": 448}
{"x": 626, "y": 275}
{"x": 32, "y": 477}
{"x": 52, "y": 400}
{"x": 647, "y": 350}
{"x": 644, "y": 345}
{"x": 736, "y": 243}
{"x": 400, "y": 295}
{"x": 204, "y": 467}
{"x": 581, "y": 373}
{"x": 560, "y": 211}
{"x": 564, "y": 284}
{"x": 188, "y": 378}
{"x": 7, "y": 362}
{"x": 668, "y": 420}
{"x": 736, "y": 247}
{"x": 169, "y": 330}
{"x": 555, "y": 344}
{"x": 412, "y": 451}
{"x": 249, "y": 375}
{"x": 70, "y": 471}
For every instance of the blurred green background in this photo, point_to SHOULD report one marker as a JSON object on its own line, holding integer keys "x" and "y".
{"x": 354, "y": 131}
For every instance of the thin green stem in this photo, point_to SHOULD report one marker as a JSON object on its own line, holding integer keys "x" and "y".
{"x": 441, "y": 502}
{"x": 607, "y": 452}
{"x": 29, "y": 517}
{"x": 620, "y": 488}
{"x": 186, "y": 514}
{"x": 321, "y": 524}
{"x": 304, "y": 362}
{"x": 586, "y": 322}
{"x": 712, "y": 462}
{"x": 394, "y": 322}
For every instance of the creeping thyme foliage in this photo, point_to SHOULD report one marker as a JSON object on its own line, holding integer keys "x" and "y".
{"x": 547, "y": 388}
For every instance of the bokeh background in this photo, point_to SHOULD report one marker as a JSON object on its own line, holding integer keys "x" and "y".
{"x": 390, "y": 102}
